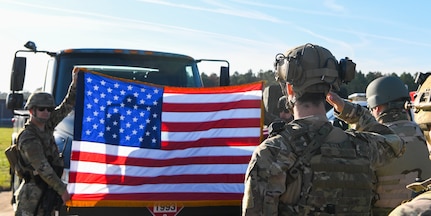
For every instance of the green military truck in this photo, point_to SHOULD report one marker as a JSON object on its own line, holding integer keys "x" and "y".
{"x": 149, "y": 66}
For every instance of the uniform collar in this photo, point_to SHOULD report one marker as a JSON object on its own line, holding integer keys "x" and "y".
{"x": 392, "y": 115}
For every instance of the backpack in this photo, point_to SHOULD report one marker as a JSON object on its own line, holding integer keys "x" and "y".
{"x": 297, "y": 132}
{"x": 15, "y": 160}
{"x": 309, "y": 190}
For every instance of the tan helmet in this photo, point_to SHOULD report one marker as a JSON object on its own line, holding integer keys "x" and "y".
{"x": 422, "y": 102}
{"x": 422, "y": 106}
{"x": 40, "y": 99}
{"x": 312, "y": 68}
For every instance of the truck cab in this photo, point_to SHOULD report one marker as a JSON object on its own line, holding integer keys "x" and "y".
{"x": 160, "y": 68}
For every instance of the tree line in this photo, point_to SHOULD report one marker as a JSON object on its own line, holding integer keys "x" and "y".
{"x": 357, "y": 85}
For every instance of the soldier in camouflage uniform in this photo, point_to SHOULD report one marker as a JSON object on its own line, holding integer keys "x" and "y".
{"x": 39, "y": 152}
{"x": 310, "y": 167}
{"x": 421, "y": 204}
{"x": 386, "y": 98}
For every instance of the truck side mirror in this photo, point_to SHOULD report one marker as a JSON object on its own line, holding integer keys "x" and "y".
{"x": 14, "y": 101}
{"x": 224, "y": 76}
{"x": 18, "y": 73}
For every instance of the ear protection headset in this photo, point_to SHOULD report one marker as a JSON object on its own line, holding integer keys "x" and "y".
{"x": 347, "y": 70}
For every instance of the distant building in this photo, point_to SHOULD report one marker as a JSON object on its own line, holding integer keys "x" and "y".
{"x": 6, "y": 115}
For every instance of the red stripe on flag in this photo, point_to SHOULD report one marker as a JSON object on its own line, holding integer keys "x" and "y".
{"x": 159, "y": 196}
{"x": 204, "y": 142}
{"x": 202, "y": 126}
{"x": 210, "y": 107}
{"x": 174, "y": 179}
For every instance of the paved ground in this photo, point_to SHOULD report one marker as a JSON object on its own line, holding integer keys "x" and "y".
{"x": 5, "y": 207}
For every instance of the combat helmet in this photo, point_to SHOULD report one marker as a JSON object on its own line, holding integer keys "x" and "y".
{"x": 40, "y": 99}
{"x": 387, "y": 90}
{"x": 312, "y": 68}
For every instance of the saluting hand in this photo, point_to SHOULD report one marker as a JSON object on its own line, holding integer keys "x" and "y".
{"x": 336, "y": 101}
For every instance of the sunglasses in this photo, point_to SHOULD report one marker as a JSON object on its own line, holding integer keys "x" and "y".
{"x": 49, "y": 109}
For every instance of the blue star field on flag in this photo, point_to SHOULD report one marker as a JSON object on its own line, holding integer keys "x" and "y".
{"x": 121, "y": 113}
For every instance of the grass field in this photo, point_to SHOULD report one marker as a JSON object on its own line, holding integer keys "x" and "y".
{"x": 5, "y": 140}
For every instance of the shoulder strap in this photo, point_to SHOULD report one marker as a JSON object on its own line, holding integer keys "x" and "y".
{"x": 314, "y": 142}
{"x": 276, "y": 127}
{"x": 295, "y": 130}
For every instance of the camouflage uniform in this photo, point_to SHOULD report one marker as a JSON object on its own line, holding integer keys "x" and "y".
{"x": 39, "y": 151}
{"x": 413, "y": 166}
{"x": 336, "y": 189}
{"x": 386, "y": 98}
{"x": 421, "y": 204}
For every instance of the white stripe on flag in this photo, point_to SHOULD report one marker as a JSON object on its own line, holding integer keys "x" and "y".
{"x": 140, "y": 171}
{"x": 126, "y": 151}
{"x": 157, "y": 188}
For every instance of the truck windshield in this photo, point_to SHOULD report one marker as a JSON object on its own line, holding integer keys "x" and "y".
{"x": 180, "y": 71}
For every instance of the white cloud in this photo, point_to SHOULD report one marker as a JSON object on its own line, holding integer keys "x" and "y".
{"x": 222, "y": 9}
{"x": 331, "y": 4}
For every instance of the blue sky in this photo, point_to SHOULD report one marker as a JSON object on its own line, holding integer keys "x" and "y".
{"x": 384, "y": 36}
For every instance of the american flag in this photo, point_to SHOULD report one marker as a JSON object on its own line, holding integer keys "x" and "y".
{"x": 137, "y": 144}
